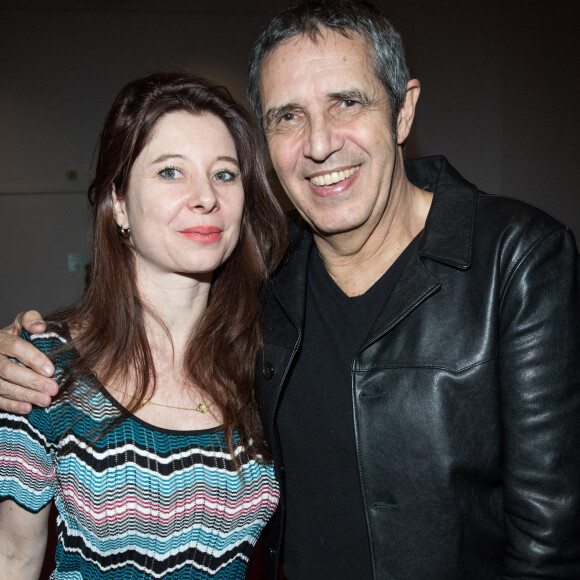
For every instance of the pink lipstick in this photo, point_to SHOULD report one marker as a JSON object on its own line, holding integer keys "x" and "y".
{"x": 202, "y": 234}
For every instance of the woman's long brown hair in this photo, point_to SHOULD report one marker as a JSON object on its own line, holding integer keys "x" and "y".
{"x": 110, "y": 317}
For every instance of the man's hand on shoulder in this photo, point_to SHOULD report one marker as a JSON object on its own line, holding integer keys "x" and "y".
{"x": 24, "y": 386}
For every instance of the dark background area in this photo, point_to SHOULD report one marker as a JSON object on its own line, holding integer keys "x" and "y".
{"x": 499, "y": 85}
{"x": 499, "y": 99}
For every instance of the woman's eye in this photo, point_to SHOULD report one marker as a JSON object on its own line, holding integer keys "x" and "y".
{"x": 169, "y": 173}
{"x": 225, "y": 175}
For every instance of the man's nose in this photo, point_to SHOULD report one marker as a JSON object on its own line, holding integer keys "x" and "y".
{"x": 322, "y": 138}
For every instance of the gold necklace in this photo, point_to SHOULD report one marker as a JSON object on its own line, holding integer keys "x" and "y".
{"x": 201, "y": 408}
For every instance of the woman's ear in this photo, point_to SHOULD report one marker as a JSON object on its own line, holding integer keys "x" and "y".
{"x": 120, "y": 211}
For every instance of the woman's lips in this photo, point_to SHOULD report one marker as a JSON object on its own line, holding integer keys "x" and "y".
{"x": 202, "y": 234}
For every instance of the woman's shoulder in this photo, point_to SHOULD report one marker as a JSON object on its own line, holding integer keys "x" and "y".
{"x": 55, "y": 335}
{"x": 55, "y": 342}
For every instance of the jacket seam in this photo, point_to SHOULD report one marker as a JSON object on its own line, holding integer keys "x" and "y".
{"x": 516, "y": 266}
{"x": 427, "y": 366}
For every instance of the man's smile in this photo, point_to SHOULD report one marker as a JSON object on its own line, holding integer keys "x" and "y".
{"x": 333, "y": 177}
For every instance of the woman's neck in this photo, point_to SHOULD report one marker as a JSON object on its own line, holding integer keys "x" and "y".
{"x": 176, "y": 303}
{"x": 174, "y": 308}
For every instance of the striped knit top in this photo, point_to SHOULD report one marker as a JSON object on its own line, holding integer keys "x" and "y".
{"x": 139, "y": 501}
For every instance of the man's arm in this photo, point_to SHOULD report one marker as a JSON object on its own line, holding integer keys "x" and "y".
{"x": 540, "y": 402}
{"x": 22, "y": 540}
{"x": 24, "y": 386}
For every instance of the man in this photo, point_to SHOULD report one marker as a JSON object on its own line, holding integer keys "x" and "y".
{"x": 419, "y": 381}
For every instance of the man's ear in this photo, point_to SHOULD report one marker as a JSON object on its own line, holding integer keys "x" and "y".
{"x": 407, "y": 110}
{"x": 120, "y": 211}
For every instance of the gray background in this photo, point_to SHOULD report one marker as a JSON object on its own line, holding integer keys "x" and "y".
{"x": 499, "y": 98}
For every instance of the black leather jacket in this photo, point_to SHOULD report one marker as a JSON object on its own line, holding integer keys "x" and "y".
{"x": 467, "y": 402}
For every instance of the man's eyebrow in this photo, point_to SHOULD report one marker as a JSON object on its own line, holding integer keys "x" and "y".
{"x": 277, "y": 112}
{"x": 345, "y": 95}
{"x": 350, "y": 95}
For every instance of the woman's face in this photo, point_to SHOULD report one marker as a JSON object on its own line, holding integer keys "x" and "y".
{"x": 185, "y": 198}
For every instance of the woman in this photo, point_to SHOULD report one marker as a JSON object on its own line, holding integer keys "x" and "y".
{"x": 153, "y": 451}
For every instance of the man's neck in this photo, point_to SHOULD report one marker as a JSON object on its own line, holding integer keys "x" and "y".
{"x": 357, "y": 259}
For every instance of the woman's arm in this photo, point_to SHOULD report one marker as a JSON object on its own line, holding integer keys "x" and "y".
{"x": 22, "y": 541}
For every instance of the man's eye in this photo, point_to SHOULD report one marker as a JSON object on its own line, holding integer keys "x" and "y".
{"x": 169, "y": 173}
{"x": 281, "y": 121}
{"x": 349, "y": 103}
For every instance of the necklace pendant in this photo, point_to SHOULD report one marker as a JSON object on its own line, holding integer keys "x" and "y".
{"x": 202, "y": 408}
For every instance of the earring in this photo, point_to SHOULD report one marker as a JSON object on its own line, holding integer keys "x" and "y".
{"x": 124, "y": 232}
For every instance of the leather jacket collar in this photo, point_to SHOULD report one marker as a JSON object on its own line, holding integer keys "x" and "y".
{"x": 453, "y": 206}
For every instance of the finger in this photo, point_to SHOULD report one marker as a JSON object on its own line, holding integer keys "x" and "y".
{"x": 14, "y": 406}
{"x": 24, "y": 385}
{"x": 34, "y": 393}
{"x": 31, "y": 320}
{"x": 26, "y": 353}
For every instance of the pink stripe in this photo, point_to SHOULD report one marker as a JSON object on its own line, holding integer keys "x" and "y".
{"x": 151, "y": 511}
{"x": 22, "y": 462}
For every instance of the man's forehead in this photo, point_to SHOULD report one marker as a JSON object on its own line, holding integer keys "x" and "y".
{"x": 315, "y": 59}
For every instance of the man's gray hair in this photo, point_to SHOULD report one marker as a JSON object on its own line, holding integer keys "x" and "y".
{"x": 310, "y": 17}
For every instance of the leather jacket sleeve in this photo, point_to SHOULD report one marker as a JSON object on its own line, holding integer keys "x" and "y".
{"x": 539, "y": 352}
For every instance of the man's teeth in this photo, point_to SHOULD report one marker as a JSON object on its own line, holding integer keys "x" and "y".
{"x": 334, "y": 177}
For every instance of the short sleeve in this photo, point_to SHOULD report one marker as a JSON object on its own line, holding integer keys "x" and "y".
{"x": 27, "y": 471}
{"x": 27, "y": 449}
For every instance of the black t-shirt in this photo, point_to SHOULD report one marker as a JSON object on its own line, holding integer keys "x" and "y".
{"x": 325, "y": 531}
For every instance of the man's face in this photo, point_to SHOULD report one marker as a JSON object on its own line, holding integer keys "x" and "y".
{"x": 328, "y": 125}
